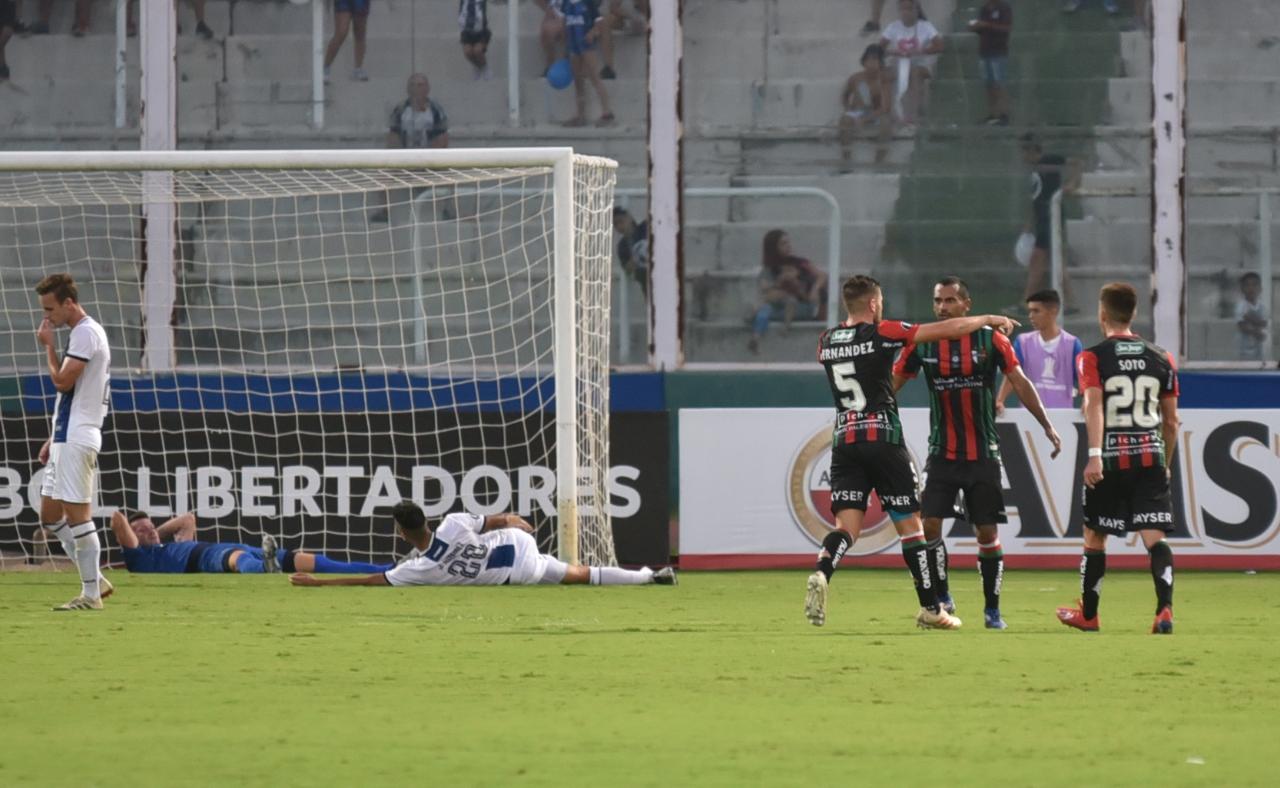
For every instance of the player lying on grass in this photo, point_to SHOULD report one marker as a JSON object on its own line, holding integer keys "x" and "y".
{"x": 493, "y": 550}
{"x": 145, "y": 551}
{"x": 867, "y": 452}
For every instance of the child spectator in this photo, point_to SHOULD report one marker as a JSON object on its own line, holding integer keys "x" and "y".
{"x": 418, "y": 121}
{"x": 344, "y": 13}
{"x": 913, "y": 44}
{"x": 866, "y": 103}
{"x": 473, "y": 18}
{"x": 791, "y": 287}
{"x": 1251, "y": 320}
{"x": 582, "y": 23}
{"x": 995, "y": 20}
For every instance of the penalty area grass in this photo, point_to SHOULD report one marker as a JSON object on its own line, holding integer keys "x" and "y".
{"x": 221, "y": 679}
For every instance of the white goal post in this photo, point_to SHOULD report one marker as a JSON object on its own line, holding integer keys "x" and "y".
{"x": 242, "y": 268}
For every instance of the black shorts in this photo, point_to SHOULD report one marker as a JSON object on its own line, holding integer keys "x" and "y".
{"x": 8, "y": 13}
{"x": 470, "y": 37}
{"x": 1043, "y": 229}
{"x": 1131, "y": 500}
{"x": 859, "y": 468}
{"x": 980, "y": 482}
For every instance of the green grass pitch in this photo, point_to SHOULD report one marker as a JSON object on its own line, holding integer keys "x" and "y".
{"x": 229, "y": 680}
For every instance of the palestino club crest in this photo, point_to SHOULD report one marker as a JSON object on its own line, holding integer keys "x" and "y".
{"x": 809, "y": 499}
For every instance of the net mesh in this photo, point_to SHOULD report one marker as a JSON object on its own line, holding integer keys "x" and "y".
{"x": 340, "y": 339}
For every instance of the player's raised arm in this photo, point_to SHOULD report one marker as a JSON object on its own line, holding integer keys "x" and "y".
{"x": 182, "y": 528}
{"x": 124, "y": 533}
{"x": 65, "y": 373}
{"x": 303, "y": 579}
{"x": 958, "y": 327}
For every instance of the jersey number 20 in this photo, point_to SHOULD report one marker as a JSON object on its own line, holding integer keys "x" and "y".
{"x": 848, "y": 384}
{"x": 1133, "y": 401}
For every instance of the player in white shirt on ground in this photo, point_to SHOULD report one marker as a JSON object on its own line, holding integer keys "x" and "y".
{"x": 70, "y": 456}
{"x": 496, "y": 550}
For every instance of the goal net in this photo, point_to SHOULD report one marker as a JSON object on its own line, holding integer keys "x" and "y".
{"x": 302, "y": 339}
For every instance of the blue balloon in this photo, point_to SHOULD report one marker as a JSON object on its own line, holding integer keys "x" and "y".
{"x": 560, "y": 74}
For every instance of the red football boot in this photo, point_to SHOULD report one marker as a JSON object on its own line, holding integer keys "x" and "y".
{"x": 1163, "y": 625}
{"x": 1074, "y": 617}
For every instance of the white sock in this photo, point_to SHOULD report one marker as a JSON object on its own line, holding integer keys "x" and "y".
{"x": 61, "y": 530}
{"x": 613, "y": 576}
{"x": 88, "y": 553}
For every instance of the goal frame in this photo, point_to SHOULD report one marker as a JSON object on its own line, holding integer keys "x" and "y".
{"x": 559, "y": 159}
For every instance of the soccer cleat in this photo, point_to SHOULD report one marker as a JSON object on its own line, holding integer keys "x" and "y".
{"x": 269, "y": 550}
{"x": 81, "y": 602}
{"x": 815, "y": 599}
{"x": 927, "y": 619}
{"x": 1163, "y": 625}
{"x": 948, "y": 604}
{"x": 1074, "y": 617}
{"x": 666, "y": 576}
{"x": 991, "y": 619}
{"x": 105, "y": 587}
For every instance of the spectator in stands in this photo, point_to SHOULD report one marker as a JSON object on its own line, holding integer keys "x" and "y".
{"x": 582, "y": 25}
{"x": 551, "y": 31}
{"x": 913, "y": 39}
{"x": 866, "y": 102}
{"x": 473, "y": 18}
{"x": 345, "y": 13}
{"x": 791, "y": 288}
{"x": 418, "y": 121}
{"x": 995, "y": 20}
{"x": 873, "y": 23}
{"x": 626, "y": 15}
{"x": 633, "y": 245}
{"x": 1049, "y": 173}
{"x": 78, "y": 28}
{"x": 1251, "y": 321}
{"x": 8, "y": 21}
{"x": 197, "y": 6}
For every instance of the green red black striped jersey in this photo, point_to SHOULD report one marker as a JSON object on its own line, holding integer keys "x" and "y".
{"x": 961, "y": 374}
{"x": 859, "y": 363}
{"x": 1134, "y": 375}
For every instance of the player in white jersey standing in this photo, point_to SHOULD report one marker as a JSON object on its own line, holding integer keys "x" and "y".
{"x": 70, "y": 456}
{"x": 470, "y": 549}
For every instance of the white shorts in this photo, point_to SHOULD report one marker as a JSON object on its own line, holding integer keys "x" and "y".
{"x": 70, "y": 473}
{"x": 533, "y": 568}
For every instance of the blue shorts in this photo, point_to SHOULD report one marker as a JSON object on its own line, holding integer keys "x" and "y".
{"x": 575, "y": 40}
{"x": 214, "y": 559}
{"x": 353, "y": 7}
{"x": 995, "y": 70}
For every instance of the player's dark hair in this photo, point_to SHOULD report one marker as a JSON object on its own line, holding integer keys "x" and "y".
{"x": 61, "y": 285}
{"x": 1048, "y": 297}
{"x": 409, "y": 516}
{"x": 1119, "y": 302}
{"x": 876, "y": 51}
{"x": 954, "y": 281}
{"x": 138, "y": 516}
{"x": 857, "y": 289}
{"x": 1251, "y": 276}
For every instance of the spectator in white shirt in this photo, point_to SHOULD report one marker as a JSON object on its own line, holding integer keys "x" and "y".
{"x": 912, "y": 44}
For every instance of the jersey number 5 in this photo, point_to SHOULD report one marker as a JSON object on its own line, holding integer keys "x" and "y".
{"x": 1133, "y": 401}
{"x": 848, "y": 384}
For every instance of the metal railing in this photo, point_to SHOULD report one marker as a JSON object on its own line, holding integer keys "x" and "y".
{"x": 1263, "y": 195}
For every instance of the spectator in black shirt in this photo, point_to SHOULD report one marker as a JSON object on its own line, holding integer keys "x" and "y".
{"x": 995, "y": 20}
{"x": 1049, "y": 173}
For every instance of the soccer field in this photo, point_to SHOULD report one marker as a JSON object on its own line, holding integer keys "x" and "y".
{"x": 196, "y": 679}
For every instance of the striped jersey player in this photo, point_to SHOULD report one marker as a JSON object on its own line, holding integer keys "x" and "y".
{"x": 483, "y": 550}
{"x": 70, "y": 456}
{"x": 1130, "y": 391}
{"x": 867, "y": 451}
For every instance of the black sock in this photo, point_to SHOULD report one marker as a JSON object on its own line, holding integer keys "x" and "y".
{"x": 915, "y": 554}
{"x": 991, "y": 565}
{"x": 1162, "y": 573}
{"x": 938, "y": 566}
{"x": 1092, "y": 567}
{"x": 833, "y": 547}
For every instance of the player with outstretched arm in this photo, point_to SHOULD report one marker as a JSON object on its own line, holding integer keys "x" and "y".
{"x": 1131, "y": 416}
{"x": 146, "y": 551}
{"x": 70, "y": 457}
{"x": 867, "y": 450}
{"x": 964, "y": 448}
{"x": 493, "y": 550}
